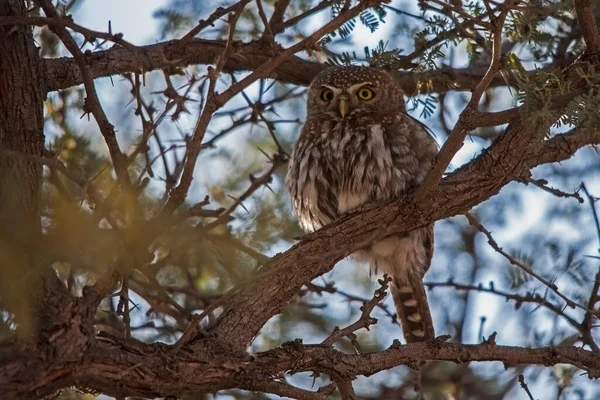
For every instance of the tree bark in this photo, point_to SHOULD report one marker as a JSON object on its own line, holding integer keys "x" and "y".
{"x": 21, "y": 129}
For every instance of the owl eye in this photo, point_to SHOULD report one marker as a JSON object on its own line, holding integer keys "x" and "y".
{"x": 327, "y": 95}
{"x": 365, "y": 94}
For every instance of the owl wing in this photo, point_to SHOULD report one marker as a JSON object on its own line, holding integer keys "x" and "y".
{"x": 310, "y": 177}
{"x": 422, "y": 125}
{"x": 413, "y": 149}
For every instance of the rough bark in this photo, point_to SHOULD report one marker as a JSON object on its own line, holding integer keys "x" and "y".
{"x": 30, "y": 289}
{"x": 126, "y": 367}
{"x": 21, "y": 129}
{"x": 64, "y": 72}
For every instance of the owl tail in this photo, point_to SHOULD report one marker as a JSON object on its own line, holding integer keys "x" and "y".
{"x": 412, "y": 307}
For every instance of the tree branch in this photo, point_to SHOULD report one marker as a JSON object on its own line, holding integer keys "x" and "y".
{"x": 550, "y": 285}
{"x": 127, "y": 367}
{"x": 587, "y": 23}
{"x": 63, "y": 72}
{"x": 249, "y": 306}
{"x": 464, "y": 125}
{"x": 92, "y": 103}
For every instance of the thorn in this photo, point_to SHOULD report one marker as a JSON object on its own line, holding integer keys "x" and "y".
{"x": 269, "y": 187}
{"x": 265, "y": 154}
{"x": 491, "y": 340}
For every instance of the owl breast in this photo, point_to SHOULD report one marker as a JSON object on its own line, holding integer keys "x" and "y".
{"x": 339, "y": 165}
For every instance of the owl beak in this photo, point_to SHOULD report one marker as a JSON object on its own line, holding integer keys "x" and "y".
{"x": 344, "y": 107}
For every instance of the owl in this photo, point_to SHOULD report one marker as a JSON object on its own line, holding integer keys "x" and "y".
{"x": 357, "y": 146}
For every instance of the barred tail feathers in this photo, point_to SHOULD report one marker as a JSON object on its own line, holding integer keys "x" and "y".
{"x": 412, "y": 308}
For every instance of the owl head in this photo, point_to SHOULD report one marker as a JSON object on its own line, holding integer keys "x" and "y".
{"x": 349, "y": 90}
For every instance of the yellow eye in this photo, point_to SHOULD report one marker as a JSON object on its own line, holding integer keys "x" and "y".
{"x": 327, "y": 95}
{"x": 365, "y": 94}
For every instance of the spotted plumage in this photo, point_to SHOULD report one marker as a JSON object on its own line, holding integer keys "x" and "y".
{"x": 358, "y": 145}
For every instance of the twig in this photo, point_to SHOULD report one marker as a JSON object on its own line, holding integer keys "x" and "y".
{"x": 587, "y": 24}
{"x": 482, "y": 320}
{"x": 592, "y": 201}
{"x": 519, "y": 299}
{"x": 218, "y": 13}
{"x": 123, "y": 306}
{"x": 50, "y": 162}
{"x": 188, "y": 334}
{"x": 587, "y": 320}
{"x": 197, "y": 210}
{"x": 473, "y": 221}
{"x": 92, "y": 101}
{"x": 543, "y": 184}
{"x": 468, "y": 17}
{"x": 260, "y": 258}
{"x": 365, "y": 320}
{"x": 330, "y": 288}
{"x": 463, "y": 125}
{"x": 268, "y": 123}
{"x": 55, "y": 164}
{"x": 278, "y": 13}
{"x": 255, "y": 182}
{"x": 278, "y": 27}
{"x": 88, "y": 34}
{"x": 179, "y": 193}
{"x": 445, "y": 35}
{"x": 594, "y": 295}
{"x": 268, "y": 33}
{"x": 157, "y": 296}
{"x": 214, "y": 102}
{"x": 525, "y": 387}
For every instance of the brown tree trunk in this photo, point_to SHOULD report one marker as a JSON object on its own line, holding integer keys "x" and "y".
{"x": 21, "y": 130}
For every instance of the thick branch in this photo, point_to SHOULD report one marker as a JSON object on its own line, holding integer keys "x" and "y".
{"x": 63, "y": 72}
{"x": 126, "y": 367}
{"x": 587, "y": 23}
{"x": 250, "y": 306}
